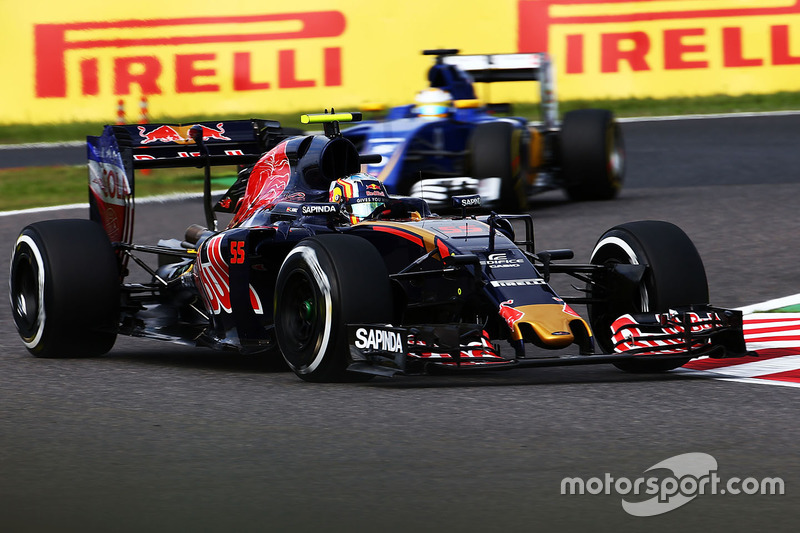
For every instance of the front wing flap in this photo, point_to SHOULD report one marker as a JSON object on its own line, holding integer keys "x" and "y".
{"x": 694, "y": 330}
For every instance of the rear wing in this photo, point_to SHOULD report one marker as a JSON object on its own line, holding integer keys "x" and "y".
{"x": 492, "y": 68}
{"x": 165, "y": 145}
{"x": 114, "y": 156}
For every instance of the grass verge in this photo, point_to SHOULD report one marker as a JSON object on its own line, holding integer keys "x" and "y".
{"x": 23, "y": 188}
{"x": 630, "y": 107}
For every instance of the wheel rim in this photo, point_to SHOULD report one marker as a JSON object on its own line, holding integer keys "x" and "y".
{"x": 616, "y": 250}
{"x": 615, "y": 157}
{"x": 301, "y": 320}
{"x": 25, "y": 292}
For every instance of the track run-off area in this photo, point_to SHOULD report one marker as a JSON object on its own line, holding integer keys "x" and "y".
{"x": 159, "y": 437}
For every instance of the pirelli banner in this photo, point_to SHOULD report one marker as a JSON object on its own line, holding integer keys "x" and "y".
{"x": 61, "y": 63}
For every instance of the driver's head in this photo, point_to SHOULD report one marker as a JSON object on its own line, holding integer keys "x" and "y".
{"x": 360, "y": 195}
{"x": 433, "y": 103}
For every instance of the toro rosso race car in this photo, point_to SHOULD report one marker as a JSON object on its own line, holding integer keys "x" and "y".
{"x": 320, "y": 265}
{"x": 448, "y": 143}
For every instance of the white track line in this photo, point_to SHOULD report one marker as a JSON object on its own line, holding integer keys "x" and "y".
{"x": 758, "y": 368}
{"x": 62, "y": 144}
{"x": 721, "y": 377}
{"x": 771, "y": 304}
{"x": 711, "y": 116}
{"x": 146, "y": 200}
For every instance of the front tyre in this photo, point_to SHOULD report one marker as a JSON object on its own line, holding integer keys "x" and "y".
{"x": 325, "y": 283}
{"x": 64, "y": 289}
{"x": 675, "y": 277}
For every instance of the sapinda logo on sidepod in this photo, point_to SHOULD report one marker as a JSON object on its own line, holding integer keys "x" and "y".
{"x": 692, "y": 474}
{"x": 318, "y": 209}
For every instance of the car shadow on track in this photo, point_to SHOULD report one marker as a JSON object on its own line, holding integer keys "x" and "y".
{"x": 527, "y": 377}
{"x": 199, "y": 359}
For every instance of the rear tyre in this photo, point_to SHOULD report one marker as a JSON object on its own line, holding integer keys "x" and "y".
{"x": 64, "y": 288}
{"x": 592, "y": 154}
{"x": 325, "y": 283}
{"x": 497, "y": 151}
{"x": 675, "y": 277}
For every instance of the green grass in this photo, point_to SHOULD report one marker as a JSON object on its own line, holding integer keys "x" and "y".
{"x": 12, "y": 134}
{"x": 787, "y": 309}
{"x": 23, "y": 188}
{"x": 45, "y": 186}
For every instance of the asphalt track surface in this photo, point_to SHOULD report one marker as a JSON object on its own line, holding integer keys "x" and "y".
{"x": 42, "y": 154}
{"x": 156, "y": 437}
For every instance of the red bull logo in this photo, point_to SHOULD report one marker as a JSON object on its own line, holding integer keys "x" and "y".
{"x": 510, "y": 314}
{"x": 164, "y": 134}
{"x": 180, "y": 134}
{"x": 568, "y": 310}
{"x": 211, "y": 133}
{"x": 268, "y": 180}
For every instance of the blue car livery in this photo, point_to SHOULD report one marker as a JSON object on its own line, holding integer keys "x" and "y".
{"x": 448, "y": 142}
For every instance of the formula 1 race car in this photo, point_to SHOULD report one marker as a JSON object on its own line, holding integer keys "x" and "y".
{"x": 318, "y": 263}
{"x": 448, "y": 143}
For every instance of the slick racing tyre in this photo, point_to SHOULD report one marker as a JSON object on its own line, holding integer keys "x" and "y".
{"x": 497, "y": 151}
{"x": 325, "y": 283}
{"x": 64, "y": 288}
{"x": 592, "y": 154}
{"x": 675, "y": 277}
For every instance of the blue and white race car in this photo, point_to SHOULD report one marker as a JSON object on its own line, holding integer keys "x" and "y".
{"x": 449, "y": 143}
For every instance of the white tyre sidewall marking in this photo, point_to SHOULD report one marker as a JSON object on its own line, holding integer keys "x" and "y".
{"x": 634, "y": 259}
{"x": 310, "y": 257}
{"x": 37, "y": 337}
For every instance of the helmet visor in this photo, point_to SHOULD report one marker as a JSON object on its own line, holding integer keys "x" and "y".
{"x": 432, "y": 110}
{"x": 363, "y": 209}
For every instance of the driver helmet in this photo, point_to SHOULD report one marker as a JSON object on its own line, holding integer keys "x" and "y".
{"x": 359, "y": 194}
{"x": 433, "y": 103}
